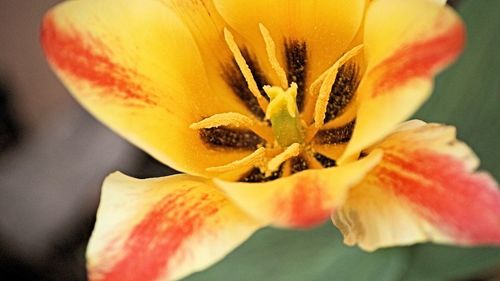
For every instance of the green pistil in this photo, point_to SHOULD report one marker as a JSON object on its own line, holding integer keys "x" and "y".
{"x": 284, "y": 115}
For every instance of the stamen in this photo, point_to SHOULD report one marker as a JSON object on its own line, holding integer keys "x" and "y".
{"x": 326, "y": 86}
{"x": 309, "y": 108}
{"x": 291, "y": 151}
{"x": 317, "y": 83}
{"x": 236, "y": 120}
{"x": 347, "y": 116}
{"x": 337, "y": 135}
{"x": 296, "y": 67}
{"x": 223, "y": 119}
{"x": 251, "y": 160}
{"x": 245, "y": 70}
{"x": 224, "y": 138}
{"x": 343, "y": 91}
{"x": 256, "y": 175}
{"x": 271, "y": 54}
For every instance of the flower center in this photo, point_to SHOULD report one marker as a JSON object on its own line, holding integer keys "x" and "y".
{"x": 296, "y": 124}
{"x": 284, "y": 115}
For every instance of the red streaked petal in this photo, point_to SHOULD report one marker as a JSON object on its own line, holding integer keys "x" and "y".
{"x": 162, "y": 228}
{"x": 85, "y": 57}
{"x": 422, "y": 59}
{"x": 407, "y": 43}
{"x": 424, "y": 189}
{"x": 302, "y": 200}
{"x": 137, "y": 68}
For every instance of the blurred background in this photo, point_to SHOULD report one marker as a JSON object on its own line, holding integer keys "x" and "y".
{"x": 54, "y": 156}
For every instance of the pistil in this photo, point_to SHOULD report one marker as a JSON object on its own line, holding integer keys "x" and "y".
{"x": 284, "y": 115}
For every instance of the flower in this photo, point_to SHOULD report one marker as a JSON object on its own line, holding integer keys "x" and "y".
{"x": 281, "y": 113}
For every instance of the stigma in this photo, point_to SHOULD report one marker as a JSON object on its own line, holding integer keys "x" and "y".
{"x": 283, "y": 113}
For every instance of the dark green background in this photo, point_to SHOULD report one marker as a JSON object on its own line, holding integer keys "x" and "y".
{"x": 467, "y": 96}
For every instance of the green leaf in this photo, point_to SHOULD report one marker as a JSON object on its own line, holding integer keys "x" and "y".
{"x": 467, "y": 96}
{"x": 435, "y": 262}
{"x": 286, "y": 255}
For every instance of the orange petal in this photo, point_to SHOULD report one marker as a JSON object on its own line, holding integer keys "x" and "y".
{"x": 302, "y": 200}
{"x": 406, "y": 43}
{"x": 425, "y": 189}
{"x": 162, "y": 228}
{"x": 136, "y": 67}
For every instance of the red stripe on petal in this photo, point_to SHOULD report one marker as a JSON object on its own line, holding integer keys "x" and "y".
{"x": 159, "y": 238}
{"x": 304, "y": 206}
{"x": 418, "y": 60}
{"x": 464, "y": 205}
{"x": 86, "y": 58}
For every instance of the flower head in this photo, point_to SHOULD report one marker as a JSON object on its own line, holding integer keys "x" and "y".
{"x": 281, "y": 113}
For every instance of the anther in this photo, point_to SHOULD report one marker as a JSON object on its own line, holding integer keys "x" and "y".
{"x": 223, "y": 119}
{"x": 251, "y": 160}
{"x": 233, "y": 119}
{"x": 291, "y": 151}
{"x": 326, "y": 86}
{"x": 271, "y": 54}
{"x": 245, "y": 70}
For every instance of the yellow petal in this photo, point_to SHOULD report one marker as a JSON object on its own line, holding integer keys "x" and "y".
{"x": 207, "y": 27}
{"x": 321, "y": 30}
{"x": 162, "y": 228}
{"x": 136, "y": 67}
{"x": 406, "y": 44}
{"x": 441, "y": 2}
{"x": 302, "y": 200}
{"x": 424, "y": 189}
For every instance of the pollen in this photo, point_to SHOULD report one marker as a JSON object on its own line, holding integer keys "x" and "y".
{"x": 254, "y": 159}
{"x": 291, "y": 151}
{"x": 271, "y": 55}
{"x": 245, "y": 70}
{"x": 224, "y": 119}
{"x": 327, "y": 84}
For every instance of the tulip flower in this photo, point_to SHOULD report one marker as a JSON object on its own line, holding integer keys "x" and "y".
{"x": 278, "y": 113}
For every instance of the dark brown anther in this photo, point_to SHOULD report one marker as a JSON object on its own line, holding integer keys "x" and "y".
{"x": 298, "y": 164}
{"x": 296, "y": 64}
{"x": 325, "y": 161}
{"x": 343, "y": 90}
{"x": 255, "y": 175}
{"x": 235, "y": 79}
{"x": 336, "y": 135}
{"x": 225, "y": 137}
